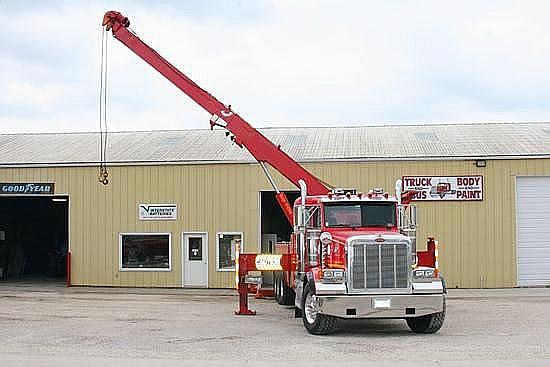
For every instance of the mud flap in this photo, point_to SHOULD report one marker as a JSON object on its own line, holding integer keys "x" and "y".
{"x": 299, "y": 290}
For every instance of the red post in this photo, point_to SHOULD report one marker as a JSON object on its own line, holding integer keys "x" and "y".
{"x": 243, "y": 299}
{"x": 243, "y": 266}
{"x": 246, "y": 263}
{"x": 68, "y": 269}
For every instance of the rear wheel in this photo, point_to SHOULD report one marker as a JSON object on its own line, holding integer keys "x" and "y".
{"x": 314, "y": 322}
{"x": 428, "y": 324}
{"x": 283, "y": 293}
{"x": 277, "y": 287}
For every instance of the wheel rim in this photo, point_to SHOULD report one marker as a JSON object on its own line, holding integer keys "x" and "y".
{"x": 311, "y": 308}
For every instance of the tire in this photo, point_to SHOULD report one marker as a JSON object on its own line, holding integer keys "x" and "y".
{"x": 284, "y": 295}
{"x": 314, "y": 322}
{"x": 276, "y": 287}
{"x": 428, "y": 324}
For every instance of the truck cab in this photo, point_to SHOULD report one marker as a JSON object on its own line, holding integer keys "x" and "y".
{"x": 356, "y": 258}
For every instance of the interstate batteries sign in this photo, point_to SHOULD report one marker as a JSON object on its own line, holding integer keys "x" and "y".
{"x": 26, "y": 188}
{"x": 461, "y": 188}
{"x": 158, "y": 211}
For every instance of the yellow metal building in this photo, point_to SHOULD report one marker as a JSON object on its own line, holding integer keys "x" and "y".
{"x": 216, "y": 188}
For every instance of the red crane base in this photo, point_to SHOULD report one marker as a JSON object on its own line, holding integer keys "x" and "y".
{"x": 243, "y": 300}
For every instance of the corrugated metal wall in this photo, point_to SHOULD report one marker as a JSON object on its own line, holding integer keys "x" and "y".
{"x": 477, "y": 238}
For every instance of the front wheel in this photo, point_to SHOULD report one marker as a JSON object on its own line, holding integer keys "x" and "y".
{"x": 428, "y": 324}
{"x": 314, "y": 322}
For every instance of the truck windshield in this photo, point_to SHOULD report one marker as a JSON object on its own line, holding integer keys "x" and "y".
{"x": 360, "y": 214}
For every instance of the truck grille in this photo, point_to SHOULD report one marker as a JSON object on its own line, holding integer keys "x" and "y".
{"x": 375, "y": 265}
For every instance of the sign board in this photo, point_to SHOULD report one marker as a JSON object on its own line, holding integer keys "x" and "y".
{"x": 158, "y": 211}
{"x": 26, "y": 188}
{"x": 268, "y": 262}
{"x": 445, "y": 188}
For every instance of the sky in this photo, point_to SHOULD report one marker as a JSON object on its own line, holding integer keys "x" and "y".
{"x": 278, "y": 63}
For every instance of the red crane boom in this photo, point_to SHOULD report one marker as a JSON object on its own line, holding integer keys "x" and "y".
{"x": 244, "y": 135}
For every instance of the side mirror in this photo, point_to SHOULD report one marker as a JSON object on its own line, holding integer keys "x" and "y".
{"x": 413, "y": 215}
{"x": 398, "y": 191}
{"x": 300, "y": 221}
{"x": 401, "y": 220}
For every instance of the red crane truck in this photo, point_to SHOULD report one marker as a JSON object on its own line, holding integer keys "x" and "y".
{"x": 355, "y": 252}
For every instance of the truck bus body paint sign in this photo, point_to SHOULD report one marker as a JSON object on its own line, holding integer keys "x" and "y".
{"x": 445, "y": 188}
{"x": 26, "y": 188}
{"x": 158, "y": 211}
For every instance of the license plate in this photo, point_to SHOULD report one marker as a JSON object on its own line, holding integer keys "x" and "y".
{"x": 382, "y": 303}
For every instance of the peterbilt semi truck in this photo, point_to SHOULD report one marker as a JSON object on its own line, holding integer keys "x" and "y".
{"x": 356, "y": 258}
{"x": 355, "y": 252}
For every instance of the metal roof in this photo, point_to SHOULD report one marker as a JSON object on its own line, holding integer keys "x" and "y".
{"x": 305, "y": 144}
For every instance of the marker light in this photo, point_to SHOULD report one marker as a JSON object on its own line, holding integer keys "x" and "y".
{"x": 333, "y": 276}
{"x": 424, "y": 273}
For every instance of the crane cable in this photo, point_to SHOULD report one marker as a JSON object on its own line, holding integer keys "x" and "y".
{"x": 103, "y": 111}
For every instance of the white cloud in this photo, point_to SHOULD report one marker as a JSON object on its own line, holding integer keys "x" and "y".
{"x": 307, "y": 62}
{"x": 39, "y": 96}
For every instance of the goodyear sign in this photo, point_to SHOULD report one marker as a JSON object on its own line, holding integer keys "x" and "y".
{"x": 26, "y": 188}
{"x": 458, "y": 188}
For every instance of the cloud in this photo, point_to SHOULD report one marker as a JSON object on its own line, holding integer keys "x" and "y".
{"x": 279, "y": 63}
{"x": 39, "y": 96}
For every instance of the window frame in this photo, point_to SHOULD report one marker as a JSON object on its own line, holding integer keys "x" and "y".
{"x": 308, "y": 208}
{"x": 362, "y": 206}
{"x": 315, "y": 207}
{"x": 218, "y": 248}
{"x": 122, "y": 269}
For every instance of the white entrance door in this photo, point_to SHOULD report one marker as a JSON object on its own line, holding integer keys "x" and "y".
{"x": 533, "y": 230}
{"x": 195, "y": 255}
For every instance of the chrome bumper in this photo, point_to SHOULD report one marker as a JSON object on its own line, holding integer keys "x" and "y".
{"x": 380, "y": 306}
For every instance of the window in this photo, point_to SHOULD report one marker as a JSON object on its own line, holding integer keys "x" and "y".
{"x": 225, "y": 249}
{"x": 195, "y": 248}
{"x": 343, "y": 215}
{"x": 360, "y": 215}
{"x": 145, "y": 252}
{"x": 379, "y": 214}
{"x": 313, "y": 216}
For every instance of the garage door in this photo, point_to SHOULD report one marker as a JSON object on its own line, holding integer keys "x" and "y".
{"x": 533, "y": 230}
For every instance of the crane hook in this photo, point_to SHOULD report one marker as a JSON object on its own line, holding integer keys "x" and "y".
{"x": 103, "y": 174}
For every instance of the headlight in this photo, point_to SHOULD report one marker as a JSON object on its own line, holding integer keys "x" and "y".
{"x": 425, "y": 273}
{"x": 333, "y": 276}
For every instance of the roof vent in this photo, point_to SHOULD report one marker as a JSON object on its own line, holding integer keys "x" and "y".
{"x": 426, "y": 136}
{"x": 172, "y": 140}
